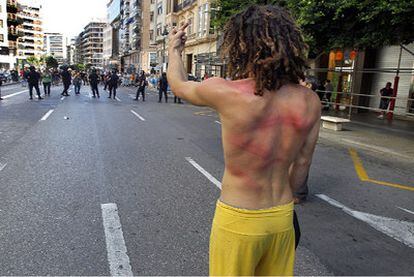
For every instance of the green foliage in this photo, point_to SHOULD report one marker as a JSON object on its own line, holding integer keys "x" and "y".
{"x": 33, "y": 61}
{"x": 341, "y": 23}
{"x": 51, "y": 62}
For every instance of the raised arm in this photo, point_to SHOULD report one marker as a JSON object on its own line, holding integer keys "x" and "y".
{"x": 200, "y": 94}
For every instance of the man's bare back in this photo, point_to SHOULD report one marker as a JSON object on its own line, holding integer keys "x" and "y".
{"x": 262, "y": 137}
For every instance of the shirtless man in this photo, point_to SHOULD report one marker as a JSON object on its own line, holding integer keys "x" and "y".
{"x": 270, "y": 125}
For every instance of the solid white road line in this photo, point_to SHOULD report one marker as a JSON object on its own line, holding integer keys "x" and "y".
{"x": 204, "y": 172}
{"x": 14, "y": 94}
{"x": 2, "y": 166}
{"x": 62, "y": 98}
{"x": 137, "y": 115}
{"x": 405, "y": 210}
{"x": 117, "y": 99}
{"x": 218, "y": 122}
{"x": 47, "y": 115}
{"x": 397, "y": 229}
{"x": 119, "y": 264}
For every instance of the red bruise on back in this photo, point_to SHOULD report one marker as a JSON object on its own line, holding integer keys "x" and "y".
{"x": 264, "y": 150}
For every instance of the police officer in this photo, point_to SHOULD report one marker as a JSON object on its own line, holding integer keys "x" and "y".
{"x": 33, "y": 78}
{"x": 66, "y": 80}
{"x": 93, "y": 81}
{"x": 163, "y": 86}
{"x": 142, "y": 83}
{"x": 113, "y": 83}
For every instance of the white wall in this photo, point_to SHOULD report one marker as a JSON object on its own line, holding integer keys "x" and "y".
{"x": 387, "y": 57}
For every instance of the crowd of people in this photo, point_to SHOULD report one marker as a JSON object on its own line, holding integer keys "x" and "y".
{"x": 33, "y": 78}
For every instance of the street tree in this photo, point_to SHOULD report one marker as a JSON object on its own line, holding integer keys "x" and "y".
{"x": 51, "y": 62}
{"x": 339, "y": 24}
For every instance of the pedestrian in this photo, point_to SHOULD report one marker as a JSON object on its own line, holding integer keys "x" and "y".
{"x": 33, "y": 78}
{"x": 25, "y": 74}
{"x": 142, "y": 83}
{"x": 84, "y": 78}
{"x": 320, "y": 90}
{"x": 1, "y": 83}
{"x": 177, "y": 100}
{"x": 106, "y": 78}
{"x": 270, "y": 126}
{"x": 94, "y": 81}
{"x": 77, "y": 82}
{"x": 66, "y": 80}
{"x": 132, "y": 79}
{"x": 385, "y": 101}
{"x": 113, "y": 83}
{"x": 163, "y": 86}
{"x": 47, "y": 81}
{"x": 328, "y": 92}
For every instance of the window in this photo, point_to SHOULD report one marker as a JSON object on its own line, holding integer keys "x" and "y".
{"x": 190, "y": 26}
{"x": 200, "y": 21}
{"x": 159, "y": 30}
{"x": 1, "y": 38}
{"x": 205, "y": 15}
{"x": 159, "y": 9}
{"x": 152, "y": 16}
{"x": 1, "y": 23}
{"x": 151, "y": 34}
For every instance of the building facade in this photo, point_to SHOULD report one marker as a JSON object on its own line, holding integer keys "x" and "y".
{"x": 8, "y": 33}
{"x": 89, "y": 45}
{"x": 111, "y": 36}
{"x": 70, "y": 51}
{"x": 130, "y": 34}
{"x": 148, "y": 50}
{"x": 200, "y": 53}
{"x": 30, "y": 44}
{"x": 157, "y": 35}
{"x": 55, "y": 45}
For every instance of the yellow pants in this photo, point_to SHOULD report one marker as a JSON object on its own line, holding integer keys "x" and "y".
{"x": 252, "y": 242}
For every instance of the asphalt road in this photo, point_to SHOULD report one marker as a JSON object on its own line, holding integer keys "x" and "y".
{"x": 56, "y": 173}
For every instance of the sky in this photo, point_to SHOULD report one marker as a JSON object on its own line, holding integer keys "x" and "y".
{"x": 70, "y": 16}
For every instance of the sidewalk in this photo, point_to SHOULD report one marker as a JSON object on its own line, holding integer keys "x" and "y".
{"x": 365, "y": 131}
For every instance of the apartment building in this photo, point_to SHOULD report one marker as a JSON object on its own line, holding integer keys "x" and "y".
{"x": 148, "y": 58}
{"x": 111, "y": 35}
{"x": 130, "y": 34}
{"x": 89, "y": 45}
{"x": 30, "y": 44}
{"x": 55, "y": 45}
{"x": 70, "y": 51}
{"x": 7, "y": 33}
{"x": 158, "y": 33}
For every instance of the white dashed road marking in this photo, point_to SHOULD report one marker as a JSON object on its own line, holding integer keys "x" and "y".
{"x": 14, "y": 94}
{"x": 137, "y": 115}
{"x": 117, "y": 99}
{"x": 62, "y": 98}
{"x": 204, "y": 172}
{"x": 47, "y": 115}
{"x": 2, "y": 166}
{"x": 397, "y": 229}
{"x": 405, "y": 210}
{"x": 119, "y": 263}
{"x": 218, "y": 122}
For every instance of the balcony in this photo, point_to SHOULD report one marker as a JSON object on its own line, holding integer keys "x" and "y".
{"x": 12, "y": 7}
{"x": 13, "y": 20}
{"x": 184, "y": 4}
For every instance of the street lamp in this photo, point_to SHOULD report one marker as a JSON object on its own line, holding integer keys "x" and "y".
{"x": 164, "y": 34}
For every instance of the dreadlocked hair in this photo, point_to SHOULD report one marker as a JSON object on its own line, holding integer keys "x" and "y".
{"x": 265, "y": 43}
